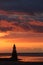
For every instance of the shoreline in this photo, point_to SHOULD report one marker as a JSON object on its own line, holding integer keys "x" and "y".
{"x": 22, "y": 54}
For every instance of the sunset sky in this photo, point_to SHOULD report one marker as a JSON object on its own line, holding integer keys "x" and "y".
{"x": 21, "y": 23}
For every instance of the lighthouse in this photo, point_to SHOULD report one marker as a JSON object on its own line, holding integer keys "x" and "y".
{"x": 14, "y": 53}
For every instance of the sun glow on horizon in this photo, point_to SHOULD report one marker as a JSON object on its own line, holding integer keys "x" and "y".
{"x": 7, "y": 44}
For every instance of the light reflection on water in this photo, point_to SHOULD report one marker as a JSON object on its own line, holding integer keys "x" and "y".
{"x": 27, "y": 58}
{"x": 5, "y": 56}
{"x": 31, "y": 59}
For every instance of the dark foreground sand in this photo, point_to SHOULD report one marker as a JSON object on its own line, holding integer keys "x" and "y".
{"x": 19, "y": 63}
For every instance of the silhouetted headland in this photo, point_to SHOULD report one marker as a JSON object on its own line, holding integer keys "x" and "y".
{"x": 13, "y": 57}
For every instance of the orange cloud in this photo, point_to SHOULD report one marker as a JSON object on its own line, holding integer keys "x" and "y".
{"x": 20, "y": 22}
{"x": 2, "y": 34}
{"x": 37, "y": 23}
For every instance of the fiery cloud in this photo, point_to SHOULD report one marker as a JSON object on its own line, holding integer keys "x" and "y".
{"x": 21, "y": 23}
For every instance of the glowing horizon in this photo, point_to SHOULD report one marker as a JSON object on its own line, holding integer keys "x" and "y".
{"x": 22, "y": 45}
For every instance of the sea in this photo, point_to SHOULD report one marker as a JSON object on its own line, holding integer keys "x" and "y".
{"x": 27, "y": 58}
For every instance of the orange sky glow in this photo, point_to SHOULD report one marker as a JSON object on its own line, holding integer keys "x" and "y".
{"x": 22, "y": 30}
{"x": 22, "y": 44}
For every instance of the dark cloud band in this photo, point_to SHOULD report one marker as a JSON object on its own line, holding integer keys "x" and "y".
{"x": 22, "y": 5}
{"x": 4, "y": 29}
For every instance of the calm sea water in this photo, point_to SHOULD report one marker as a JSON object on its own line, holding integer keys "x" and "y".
{"x": 27, "y": 58}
